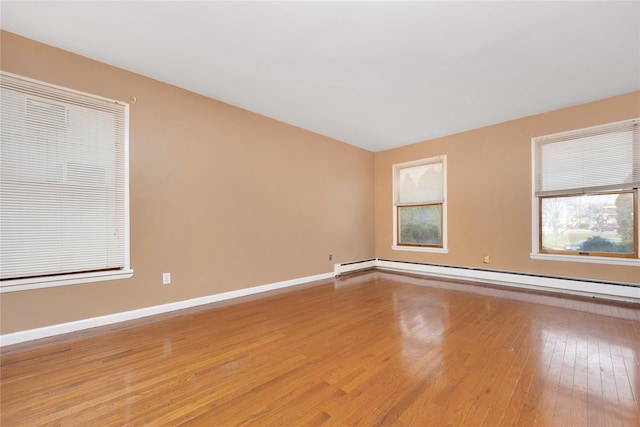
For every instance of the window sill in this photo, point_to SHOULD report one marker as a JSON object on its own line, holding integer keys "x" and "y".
{"x": 587, "y": 259}
{"x": 420, "y": 249}
{"x": 63, "y": 280}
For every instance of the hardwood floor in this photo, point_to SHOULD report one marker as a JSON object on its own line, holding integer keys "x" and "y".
{"x": 370, "y": 349}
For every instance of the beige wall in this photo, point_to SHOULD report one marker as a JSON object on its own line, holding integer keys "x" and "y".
{"x": 226, "y": 199}
{"x": 222, "y": 198}
{"x": 489, "y": 192}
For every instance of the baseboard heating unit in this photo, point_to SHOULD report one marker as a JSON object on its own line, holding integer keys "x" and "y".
{"x": 592, "y": 288}
{"x": 355, "y": 266}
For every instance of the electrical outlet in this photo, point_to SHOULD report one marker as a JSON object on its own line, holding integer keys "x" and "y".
{"x": 486, "y": 259}
{"x": 166, "y": 278}
{"x": 330, "y": 256}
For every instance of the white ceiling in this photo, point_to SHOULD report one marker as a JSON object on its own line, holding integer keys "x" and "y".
{"x": 373, "y": 74}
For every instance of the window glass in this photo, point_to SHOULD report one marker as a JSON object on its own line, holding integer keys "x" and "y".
{"x": 420, "y": 225}
{"x": 589, "y": 223}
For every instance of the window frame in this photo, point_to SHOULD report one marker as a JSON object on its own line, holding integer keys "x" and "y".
{"x": 62, "y": 279}
{"x": 443, "y": 248}
{"x": 537, "y": 251}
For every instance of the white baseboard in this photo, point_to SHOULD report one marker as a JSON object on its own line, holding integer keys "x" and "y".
{"x": 569, "y": 286}
{"x": 63, "y": 328}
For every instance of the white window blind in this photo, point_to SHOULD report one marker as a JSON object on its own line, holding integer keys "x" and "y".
{"x": 420, "y": 184}
{"x": 596, "y": 159}
{"x": 63, "y": 181}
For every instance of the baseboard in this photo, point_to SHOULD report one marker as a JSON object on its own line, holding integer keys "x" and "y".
{"x": 63, "y": 328}
{"x": 613, "y": 291}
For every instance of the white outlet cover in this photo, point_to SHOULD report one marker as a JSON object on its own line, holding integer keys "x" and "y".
{"x": 166, "y": 278}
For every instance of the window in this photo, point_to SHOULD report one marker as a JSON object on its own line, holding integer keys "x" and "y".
{"x": 586, "y": 192}
{"x": 419, "y": 211}
{"x": 63, "y": 186}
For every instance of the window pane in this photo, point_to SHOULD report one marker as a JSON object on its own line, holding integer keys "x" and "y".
{"x": 420, "y": 225}
{"x": 591, "y": 223}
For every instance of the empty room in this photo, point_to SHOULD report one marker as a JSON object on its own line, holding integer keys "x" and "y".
{"x": 218, "y": 213}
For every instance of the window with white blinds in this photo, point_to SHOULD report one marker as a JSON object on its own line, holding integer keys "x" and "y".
{"x": 420, "y": 205}
{"x": 586, "y": 191}
{"x": 63, "y": 185}
{"x": 595, "y": 159}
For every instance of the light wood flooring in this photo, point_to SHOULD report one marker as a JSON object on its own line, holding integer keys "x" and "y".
{"x": 370, "y": 349}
